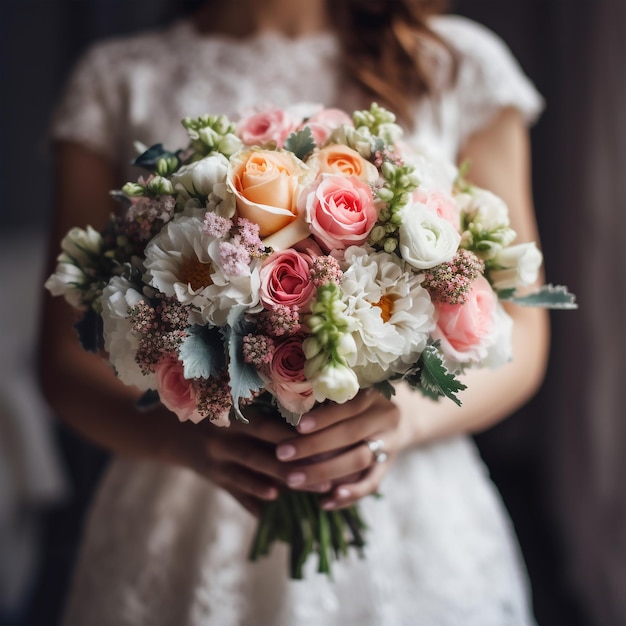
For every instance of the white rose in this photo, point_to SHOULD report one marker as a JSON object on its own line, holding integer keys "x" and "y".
{"x": 426, "y": 239}
{"x": 335, "y": 382}
{"x": 517, "y": 266}
{"x": 484, "y": 208}
{"x": 119, "y": 341}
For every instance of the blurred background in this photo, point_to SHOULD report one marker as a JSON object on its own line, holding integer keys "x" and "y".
{"x": 559, "y": 463}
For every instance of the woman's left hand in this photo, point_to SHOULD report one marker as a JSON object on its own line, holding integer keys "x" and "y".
{"x": 332, "y": 454}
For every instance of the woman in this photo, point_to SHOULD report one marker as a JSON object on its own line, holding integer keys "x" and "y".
{"x": 166, "y": 545}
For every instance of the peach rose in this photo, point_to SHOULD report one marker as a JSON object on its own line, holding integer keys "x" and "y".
{"x": 340, "y": 211}
{"x": 324, "y": 122}
{"x": 465, "y": 330}
{"x": 265, "y": 126}
{"x": 265, "y": 185}
{"x": 342, "y": 161}
{"x": 175, "y": 391}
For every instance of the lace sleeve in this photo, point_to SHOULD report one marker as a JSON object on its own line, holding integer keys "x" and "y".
{"x": 489, "y": 79}
{"x": 89, "y": 109}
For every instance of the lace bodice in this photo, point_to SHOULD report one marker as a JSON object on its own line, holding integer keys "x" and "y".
{"x": 139, "y": 88}
{"x": 164, "y": 546}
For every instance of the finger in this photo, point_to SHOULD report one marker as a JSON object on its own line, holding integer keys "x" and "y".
{"x": 249, "y": 453}
{"x": 348, "y": 494}
{"x": 339, "y": 466}
{"x": 344, "y": 434}
{"x": 331, "y": 413}
{"x": 269, "y": 428}
{"x": 251, "y": 504}
{"x": 237, "y": 479}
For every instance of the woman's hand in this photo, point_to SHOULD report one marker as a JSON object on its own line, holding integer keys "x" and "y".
{"x": 331, "y": 453}
{"x": 240, "y": 458}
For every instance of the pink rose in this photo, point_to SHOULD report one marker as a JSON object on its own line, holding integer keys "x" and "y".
{"x": 286, "y": 279}
{"x": 175, "y": 391}
{"x": 324, "y": 122}
{"x": 465, "y": 330}
{"x": 340, "y": 211}
{"x": 269, "y": 125}
{"x": 286, "y": 374}
{"x": 440, "y": 203}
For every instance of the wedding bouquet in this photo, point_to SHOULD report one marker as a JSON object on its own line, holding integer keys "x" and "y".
{"x": 290, "y": 259}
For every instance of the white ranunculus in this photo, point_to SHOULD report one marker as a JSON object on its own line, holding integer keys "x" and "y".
{"x": 433, "y": 171}
{"x": 82, "y": 245}
{"x": 426, "y": 239}
{"x": 205, "y": 180}
{"x": 484, "y": 208}
{"x": 394, "y": 314}
{"x": 185, "y": 263}
{"x": 119, "y": 341}
{"x": 517, "y": 266}
{"x": 67, "y": 281}
{"x": 335, "y": 382}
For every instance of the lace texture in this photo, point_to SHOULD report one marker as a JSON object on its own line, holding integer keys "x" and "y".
{"x": 164, "y": 546}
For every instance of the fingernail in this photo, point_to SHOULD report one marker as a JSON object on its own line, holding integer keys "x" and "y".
{"x": 306, "y": 425}
{"x": 285, "y": 452}
{"x": 296, "y": 479}
{"x": 270, "y": 494}
{"x": 342, "y": 492}
{"x": 331, "y": 504}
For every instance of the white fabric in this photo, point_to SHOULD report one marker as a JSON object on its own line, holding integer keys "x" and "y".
{"x": 166, "y": 547}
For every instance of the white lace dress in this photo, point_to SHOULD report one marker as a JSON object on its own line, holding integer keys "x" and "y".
{"x": 164, "y": 547}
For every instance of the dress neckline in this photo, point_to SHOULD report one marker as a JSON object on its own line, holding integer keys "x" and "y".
{"x": 185, "y": 28}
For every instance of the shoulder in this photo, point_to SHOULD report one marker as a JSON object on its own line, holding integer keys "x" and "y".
{"x": 489, "y": 77}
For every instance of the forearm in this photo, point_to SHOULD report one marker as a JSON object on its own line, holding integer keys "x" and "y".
{"x": 491, "y": 395}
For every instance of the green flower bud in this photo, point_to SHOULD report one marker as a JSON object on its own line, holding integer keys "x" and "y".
{"x": 133, "y": 190}
{"x": 390, "y": 245}
{"x": 377, "y": 233}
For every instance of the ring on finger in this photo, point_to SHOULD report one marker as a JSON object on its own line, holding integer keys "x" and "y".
{"x": 377, "y": 448}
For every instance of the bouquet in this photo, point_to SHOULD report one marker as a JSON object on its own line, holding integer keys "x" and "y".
{"x": 293, "y": 258}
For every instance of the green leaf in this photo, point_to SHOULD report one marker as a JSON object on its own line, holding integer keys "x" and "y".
{"x": 149, "y": 400}
{"x": 435, "y": 380}
{"x": 300, "y": 142}
{"x": 90, "y": 332}
{"x": 244, "y": 378}
{"x": 549, "y": 296}
{"x": 202, "y": 352}
{"x": 149, "y": 159}
{"x": 386, "y": 389}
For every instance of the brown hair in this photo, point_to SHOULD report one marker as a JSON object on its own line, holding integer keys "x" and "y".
{"x": 384, "y": 43}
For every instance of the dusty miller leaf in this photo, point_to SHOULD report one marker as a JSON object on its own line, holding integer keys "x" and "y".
{"x": 300, "y": 142}
{"x": 202, "y": 352}
{"x": 244, "y": 378}
{"x": 549, "y": 296}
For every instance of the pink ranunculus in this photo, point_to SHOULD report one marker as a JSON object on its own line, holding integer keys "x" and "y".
{"x": 324, "y": 122}
{"x": 175, "y": 391}
{"x": 266, "y": 126}
{"x": 286, "y": 280}
{"x": 340, "y": 211}
{"x": 441, "y": 203}
{"x": 465, "y": 330}
{"x": 286, "y": 374}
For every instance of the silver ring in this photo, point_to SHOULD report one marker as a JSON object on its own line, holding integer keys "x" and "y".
{"x": 377, "y": 448}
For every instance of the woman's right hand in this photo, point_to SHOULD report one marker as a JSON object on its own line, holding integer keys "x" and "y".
{"x": 240, "y": 458}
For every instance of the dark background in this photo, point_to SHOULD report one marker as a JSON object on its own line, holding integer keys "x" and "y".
{"x": 573, "y": 51}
